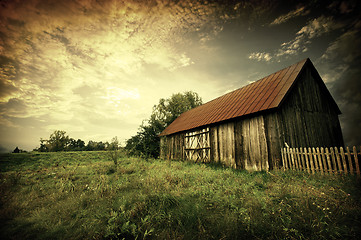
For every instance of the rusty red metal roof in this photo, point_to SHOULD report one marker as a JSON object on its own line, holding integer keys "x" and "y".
{"x": 264, "y": 94}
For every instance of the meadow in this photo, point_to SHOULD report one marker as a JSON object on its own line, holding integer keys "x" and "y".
{"x": 84, "y": 195}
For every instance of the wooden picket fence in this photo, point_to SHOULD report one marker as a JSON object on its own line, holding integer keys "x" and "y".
{"x": 323, "y": 160}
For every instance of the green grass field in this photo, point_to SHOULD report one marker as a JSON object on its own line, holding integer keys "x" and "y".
{"x": 83, "y": 195}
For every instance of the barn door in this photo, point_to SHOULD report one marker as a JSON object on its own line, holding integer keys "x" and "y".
{"x": 197, "y": 147}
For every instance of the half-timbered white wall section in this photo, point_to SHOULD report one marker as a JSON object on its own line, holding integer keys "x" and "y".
{"x": 197, "y": 145}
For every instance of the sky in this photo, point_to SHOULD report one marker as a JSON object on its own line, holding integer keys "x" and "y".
{"x": 95, "y": 68}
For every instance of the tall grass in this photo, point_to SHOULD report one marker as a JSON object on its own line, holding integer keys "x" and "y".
{"x": 83, "y": 195}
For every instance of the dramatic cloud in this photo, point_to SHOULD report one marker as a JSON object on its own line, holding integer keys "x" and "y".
{"x": 96, "y": 68}
{"x": 303, "y": 38}
{"x": 342, "y": 73}
{"x": 260, "y": 56}
{"x": 301, "y": 11}
{"x": 344, "y": 47}
{"x": 75, "y": 65}
{"x": 314, "y": 28}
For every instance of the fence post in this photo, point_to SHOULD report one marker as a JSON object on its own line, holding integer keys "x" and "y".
{"x": 294, "y": 159}
{"x": 343, "y": 160}
{"x": 333, "y": 157}
{"x": 356, "y": 161}
{"x": 314, "y": 154}
{"x": 298, "y": 159}
{"x": 319, "y": 160}
{"x": 311, "y": 160}
{"x": 328, "y": 161}
{"x": 289, "y": 158}
{"x": 349, "y": 160}
{"x": 302, "y": 159}
{"x": 306, "y": 159}
{"x": 286, "y": 158}
{"x": 283, "y": 159}
{"x": 324, "y": 160}
{"x": 338, "y": 160}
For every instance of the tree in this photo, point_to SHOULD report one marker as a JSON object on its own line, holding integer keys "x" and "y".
{"x": 114, "y": 150}
{"x": 58, "y": 141}
{"x": 169, "y": 109}
{"x": 16, "y": 150}
{"x": 76, "y": 145}
{"x": 146, "y": 142}
{"x": 43, "y": 146}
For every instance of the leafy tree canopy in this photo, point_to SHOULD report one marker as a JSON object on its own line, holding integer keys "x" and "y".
{"x": 146, "y": 142}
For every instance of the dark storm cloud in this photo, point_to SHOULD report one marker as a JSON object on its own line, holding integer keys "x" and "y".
{"x": 9, "y": 73}
{"x": 342, "y": 67}
{"x": 347, "y": 94}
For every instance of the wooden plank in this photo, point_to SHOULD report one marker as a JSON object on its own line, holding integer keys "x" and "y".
{"x": 292, "y": 159}
{"x": 288, "y": 159}
{"x": 297, "y": 167}
{"x": 319, "y": 160}
{"x": 343, "y": 160}
{"x": 221, "y": 143}
{"x": 231, "y": 145}
{"x": 323, "y": 155}
{"x": 238, "y": 145}
{"x": 349, "y": 160}
{"x": 311, "y": 160}
{"x": 197, "y": 148}
{"x": 283, "y": 159}
{"x": 245, "y": 144}
{"x": 306, "y": 160}
{"x": 333, "y": 157}
{"x": 315, "y": 160}
{"x": 298, "y": 159}
{"x": 196, "y": 133}
{"x": 356, "y": 160}
{"x": 302, "y": 160}
{"x": 263, "y": 145}
{"x": 328, "y": 161}
{"x": 339, "y": 166}
{"x": 254, "y": 145}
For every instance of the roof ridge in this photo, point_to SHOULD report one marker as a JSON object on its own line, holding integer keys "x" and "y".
{"x": 304, "y": 60}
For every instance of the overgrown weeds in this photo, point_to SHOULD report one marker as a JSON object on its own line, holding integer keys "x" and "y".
{"x": 84, "y": 195}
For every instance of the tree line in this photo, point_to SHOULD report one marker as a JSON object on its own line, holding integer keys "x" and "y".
{"x": 59, "y": 141}
{"x": 145, "y": 143}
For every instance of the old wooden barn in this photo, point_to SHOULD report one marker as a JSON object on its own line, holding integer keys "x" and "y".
{"x": 247, "y": 128}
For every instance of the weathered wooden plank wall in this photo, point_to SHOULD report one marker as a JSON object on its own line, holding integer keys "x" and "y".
{"x": 223, "y": 144}
{"x": 308, "y": 117}
{"x": 274, "y": 138}
{"x": 252, "y": 150}
{"x": 171, "y": 147}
